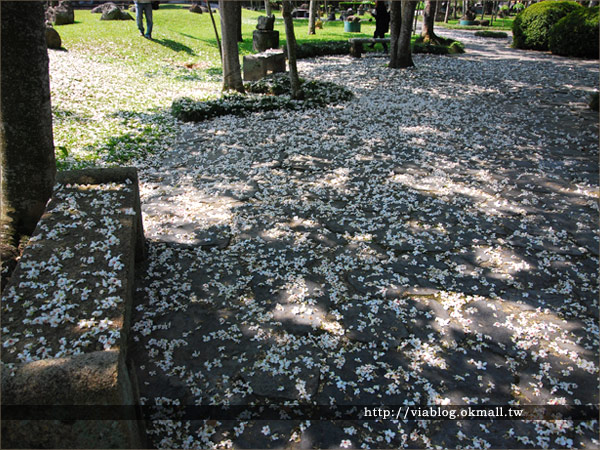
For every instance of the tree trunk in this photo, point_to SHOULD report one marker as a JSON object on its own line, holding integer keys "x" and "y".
{"x": 268, "y": 7}
{"x": 238, "y": 20}
{"x": 27, "y": 164}
{"x": 455, "y": 12}
{"x": 290, "y": 38}
{"x": 447, "y": 11}
{"x": 232, "y": 75}
{"x": 428, "y": 22}
{"x": 312, "y": 16}
{"x": 212, "y": 19}
{"x": 403, "y": 56}
{"x": 395, "y": 25}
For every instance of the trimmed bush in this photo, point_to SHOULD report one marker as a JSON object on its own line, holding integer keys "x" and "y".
{"x": 322, "y": 48}
{"x": 491, "y": 34}
{"x": 577, "y": 34}
{"x": 448, "y": 46}
{"x": 532, "y": 26}
{"x": 269, "y": 94}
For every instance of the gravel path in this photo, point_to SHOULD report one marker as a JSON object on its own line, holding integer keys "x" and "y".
{"x": 431, "y": 242}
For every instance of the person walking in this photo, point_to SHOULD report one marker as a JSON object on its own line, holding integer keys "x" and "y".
{"x": 144, "y": 7}
{"x": 382, "y": 22}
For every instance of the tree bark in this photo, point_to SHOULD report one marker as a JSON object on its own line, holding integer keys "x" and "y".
{"x": 232, "y": 74}
{"x": 27, "y": 163}
{"x": 312, "y": 16}
{"x": 403, "y": 55}
{"x": 395, "y": 25}
{"x": 268, "y": 7}
{"x": 428, "y": 23}
{"x": 290, "y": 38}
{"x": 238, "y": 20}
{"x": 447, "y": 11}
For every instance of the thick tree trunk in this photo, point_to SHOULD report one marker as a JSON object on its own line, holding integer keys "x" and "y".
{"x": 290, "y": 37}
{"x": 428, "y": 22}
{"x": 312, "y": 16}
{"x": 232, "y": 75}
{"x": 27, "y": 164}
{"x": 395, "y": 25}
{"x": 403, "y": 56}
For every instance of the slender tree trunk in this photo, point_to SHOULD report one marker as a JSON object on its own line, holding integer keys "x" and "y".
{"x": 27, "y": 164}
{"x": 312, "y": 16}
{"x": 395, "y": 25}
{"x": 403, "y": 57}
{"x": 268, "y": 7}
{"x": 232, "y": 74}
{"x": 212, "y": 18}
{"x": 416, "y": 20}
{"x": 290, "y": 37}
{"x": 455, "y": 12}
{"x": 428, "y": 22}
{"x": 447, "y": 11}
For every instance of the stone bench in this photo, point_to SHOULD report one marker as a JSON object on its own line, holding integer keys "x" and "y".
{"x": 356, "y": 44}
{"x": 259, "y": 65}
{"x": 66, "y": 314}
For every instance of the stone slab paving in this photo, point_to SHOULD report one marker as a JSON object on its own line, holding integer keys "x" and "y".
{"x": 432, "y": 242}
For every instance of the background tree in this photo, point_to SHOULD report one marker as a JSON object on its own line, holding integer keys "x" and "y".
{"x": 27, "y": 164}
{"x": 428, "y": 22}
{"x": 291, "y": 48}
{"x": 312, "y": 16}
{"x": 268, "y": 7}
{"x": 401, "y": 16}
{"x": 232, "y": 74}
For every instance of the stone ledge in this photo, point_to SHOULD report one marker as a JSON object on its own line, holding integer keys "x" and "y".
{"x": 66, "y": 312}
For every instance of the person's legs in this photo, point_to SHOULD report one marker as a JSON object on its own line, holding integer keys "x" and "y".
{"x": 149, "y": 23}
{"x": 138, "y": 17}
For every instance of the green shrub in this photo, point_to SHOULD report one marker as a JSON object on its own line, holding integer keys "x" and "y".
{"x": 448, "y": 46}
{"x": 491, "y": 34}
{"x": 322, "y": 48}
{"x": 269, "y": 94}
{"x": 532, "y": 26}
{"x": 576, "y": 34}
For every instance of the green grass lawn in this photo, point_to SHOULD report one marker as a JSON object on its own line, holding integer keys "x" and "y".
{"x": 178, "y": 36}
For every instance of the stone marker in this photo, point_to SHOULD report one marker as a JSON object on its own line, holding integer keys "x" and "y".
{"x": 196, "y": 8}
{"x": 266, "y": 23}
{"x": 52, "y": 38}
{"x": 63, "y": 14}
{"x": 262, "y": 64}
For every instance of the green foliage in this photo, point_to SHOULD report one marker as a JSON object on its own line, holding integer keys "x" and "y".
{"x": 322, "y": 48}
{"x": 491, "y": 34}
{"x": 269, "y": 94}
{"x": 448, "y": 46}
{"x": 532, "y": 26}
{"x": 576, "y": 34}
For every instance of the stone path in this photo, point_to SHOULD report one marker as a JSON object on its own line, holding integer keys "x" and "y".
{"x": 433, "y": 241}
